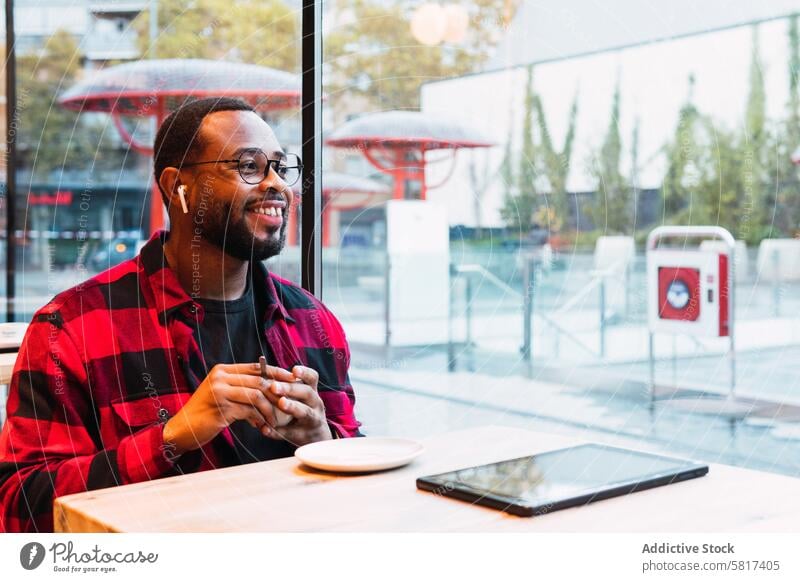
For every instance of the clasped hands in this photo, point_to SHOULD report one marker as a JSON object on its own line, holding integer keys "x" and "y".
{"x": 286, "y": 405}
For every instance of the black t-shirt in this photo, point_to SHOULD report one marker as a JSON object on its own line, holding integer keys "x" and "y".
{"x": 232, "y": 332}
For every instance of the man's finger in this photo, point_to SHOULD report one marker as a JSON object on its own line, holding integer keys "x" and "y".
{"x": 255, "y": 400}
{"x": 295, "y": 390}
{"x": 273, "y": 433}
{"x": 254, "y": 369}
{"x": 277, "y": 373}
{"x": 254, "y": 383}
{"x": 297, "y": 409}
{"x": 251, "y": 415}
{"x": 247, "y": 381}
{"x": 256, "y": 421}
{"x": 307, "y": 375}
{"x": 258, "y": 383}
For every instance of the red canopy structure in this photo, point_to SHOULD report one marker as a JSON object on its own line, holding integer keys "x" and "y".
{"x": 396, "y": 142}
{"x": 343, "y": 192}
{"x": 346, "y": 192}
{"x": 155, "y": 87}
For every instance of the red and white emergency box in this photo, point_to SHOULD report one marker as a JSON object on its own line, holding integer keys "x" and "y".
{"x": 688, "y": 292}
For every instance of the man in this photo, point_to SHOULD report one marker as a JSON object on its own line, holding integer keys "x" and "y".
{"x": 151, "y": 368}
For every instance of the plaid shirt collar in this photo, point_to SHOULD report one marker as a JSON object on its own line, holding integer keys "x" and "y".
{"x": 168, "y": 294}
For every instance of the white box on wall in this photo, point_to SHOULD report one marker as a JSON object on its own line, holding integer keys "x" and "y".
{"x": 418, "y": 251}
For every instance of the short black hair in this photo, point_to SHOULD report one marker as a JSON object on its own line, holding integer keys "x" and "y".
{"x": 179, "y": 134}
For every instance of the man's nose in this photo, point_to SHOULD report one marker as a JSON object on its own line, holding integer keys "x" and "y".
{"x": 272, "y": 181}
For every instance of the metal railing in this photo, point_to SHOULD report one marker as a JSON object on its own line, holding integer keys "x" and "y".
{"x": 530, "y": 269}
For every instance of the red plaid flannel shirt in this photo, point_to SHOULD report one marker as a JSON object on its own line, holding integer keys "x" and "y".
{"x": 106, "y": 363}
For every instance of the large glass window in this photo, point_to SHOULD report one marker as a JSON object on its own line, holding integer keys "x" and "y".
{"x": 3, "y": 185}
{"x": 492, "y": 171}
{"x": 93, "y": 80}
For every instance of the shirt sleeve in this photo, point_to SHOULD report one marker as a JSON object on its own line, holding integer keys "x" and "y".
{"x": 50, "y": 444}
{"x": 340, "y": 402}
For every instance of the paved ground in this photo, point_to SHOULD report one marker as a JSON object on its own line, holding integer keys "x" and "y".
{"x": 414, "y": 395}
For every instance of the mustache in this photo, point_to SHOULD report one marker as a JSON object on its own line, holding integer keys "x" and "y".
{"x": 275, "y": 194}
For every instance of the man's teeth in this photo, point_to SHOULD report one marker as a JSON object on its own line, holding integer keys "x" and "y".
{"x": 269, "y": 211}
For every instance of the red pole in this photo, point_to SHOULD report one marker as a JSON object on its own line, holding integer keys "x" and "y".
{"x": 399, "y": 172}
{"x": 399, "y": 184}
{"x": 423, "y": 190}
{"x": 326, "y": 223}
{"x": 156, "y": 205}
{"x": 291, "y": 226}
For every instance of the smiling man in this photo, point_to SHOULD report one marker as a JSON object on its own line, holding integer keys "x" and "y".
{"x": 151, "y": 368}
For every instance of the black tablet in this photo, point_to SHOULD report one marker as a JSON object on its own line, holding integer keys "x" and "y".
{"x": 555, "y": 480}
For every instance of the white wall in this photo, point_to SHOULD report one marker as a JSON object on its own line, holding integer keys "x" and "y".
{"x": 551, "y": 29}
{"x": 653, "y": 80}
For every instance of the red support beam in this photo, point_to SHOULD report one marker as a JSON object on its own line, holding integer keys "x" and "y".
{"x": 156, "y": 205}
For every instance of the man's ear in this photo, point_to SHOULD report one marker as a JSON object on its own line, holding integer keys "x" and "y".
{"x": 169, "y": 180}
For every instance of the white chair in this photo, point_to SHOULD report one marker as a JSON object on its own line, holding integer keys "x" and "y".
{"x": 614, "y": 255}
{"x": 11, "y": 335}
{"x": 779, "y": 260}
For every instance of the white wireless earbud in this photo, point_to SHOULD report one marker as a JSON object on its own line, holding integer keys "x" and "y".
{"x": 182, "y": 196}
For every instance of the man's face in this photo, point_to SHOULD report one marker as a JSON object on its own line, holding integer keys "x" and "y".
{"x": 246, "y": 221}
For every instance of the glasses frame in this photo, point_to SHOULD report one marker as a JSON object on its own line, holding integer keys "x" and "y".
{"x": 271, "y": 164}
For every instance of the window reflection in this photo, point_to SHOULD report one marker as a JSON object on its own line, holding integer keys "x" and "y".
{"x": 595, "y": 130}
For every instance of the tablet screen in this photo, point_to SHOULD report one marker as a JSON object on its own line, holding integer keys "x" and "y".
{"x": 564, "y": 473}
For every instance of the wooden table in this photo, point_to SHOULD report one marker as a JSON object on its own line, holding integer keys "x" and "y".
{"x": 285, "y": 496}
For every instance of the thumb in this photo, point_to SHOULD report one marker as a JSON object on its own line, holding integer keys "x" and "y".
{"x": 307, "y": 375}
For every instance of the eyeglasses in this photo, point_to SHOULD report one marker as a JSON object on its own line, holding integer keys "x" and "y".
{"x": 254, "y": 165}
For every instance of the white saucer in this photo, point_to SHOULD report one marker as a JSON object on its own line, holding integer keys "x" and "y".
{"x": 358, "y": 454}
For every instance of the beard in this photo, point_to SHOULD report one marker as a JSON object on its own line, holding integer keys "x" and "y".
{"x": 228, "y": 231}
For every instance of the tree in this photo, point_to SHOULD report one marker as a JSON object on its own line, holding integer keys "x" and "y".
{"x": 715, "y": 175}
{"x": 705, "y": 181}
{"x": 753, "y": 201}
{"x": 683, "y": 153}
{"x": 259, "y": 32}
{"x": 50, "y": 137}
{"x": 480, "y": 177}
{"x": 556, "y": 165}
{"x": 733, "y": 191}
{"x": 521, "y": 203}
{"x": 508, "y": 178}
{"x": 726, "y": 177}
{"x": 722, "y": 185}
{"x": 793, "y": 124}
{"x": 782, "y": 184}
{"x": 634, "y": 177}
{"x": 374, "y": 55}
{"x": 611, "y": 210}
